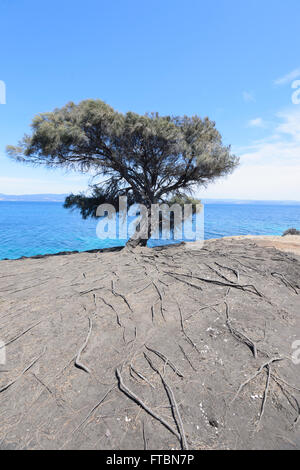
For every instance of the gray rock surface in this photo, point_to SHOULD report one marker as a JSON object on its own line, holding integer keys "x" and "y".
{"x": 184, "y": 329}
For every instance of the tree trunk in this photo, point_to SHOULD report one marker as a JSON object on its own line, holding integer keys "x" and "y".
{"x": 139, "y": 241}
{"x": 134, "y": 242}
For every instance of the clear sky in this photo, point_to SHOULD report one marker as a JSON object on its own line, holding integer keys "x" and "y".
{"x": 232, "y": 60}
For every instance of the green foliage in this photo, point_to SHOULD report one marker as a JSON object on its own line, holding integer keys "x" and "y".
{"x": 87, "y": 204}
{"x": 291, "y": 231}
{"x": 184, "y": 199}
{"x": 149, "y": 158}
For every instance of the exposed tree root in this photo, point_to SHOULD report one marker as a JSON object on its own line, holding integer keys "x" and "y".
{"x": 187, "y": 358}
{"x": 117, "y": 294}
{"x": 188, "y": 339}
{"x": 9, "y": 384}
{"x": 93, "y": 409}
{"x": 218, "y": 273}
{"x": 285, "y": 281}
{"x": 77, "y": 360}
{"x": 20, "y": 335}
{"x": 247, "y": 287}
{"x": 144, "y": 438}
{"x": 142, "y": 289}
{"x": 268, "y": 367}
{"x": 185, "y": 282}
{"x": 290, "y": 397}
{"x": 161, "y": 300}
{"x": 174, "y": 405}
{"x": 266, "y": 364}
{"x": 114, "y": 310}
{"x": 234, "y": 271}
{"x": 134, "y": 397}
{"x": 238, "y": 335}
{"x": 166, "y": 360}
{"x": 141, "y": 376}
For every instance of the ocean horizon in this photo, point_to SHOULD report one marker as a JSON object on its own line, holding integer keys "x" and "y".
{"x": 39, "y": 228}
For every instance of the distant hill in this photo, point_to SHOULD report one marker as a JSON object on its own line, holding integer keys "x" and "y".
{"x": 248, "y": 201}
{"x": 34, "y": 197}
{"x": 61, "y": 198}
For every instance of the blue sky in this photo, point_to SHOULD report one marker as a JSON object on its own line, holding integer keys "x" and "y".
{"x": 234, "y": 61}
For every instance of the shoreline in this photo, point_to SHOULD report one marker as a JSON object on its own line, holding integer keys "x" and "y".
{"x": 288, "y": 244}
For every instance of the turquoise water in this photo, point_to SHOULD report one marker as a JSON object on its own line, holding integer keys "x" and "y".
{"x": 32, "y": 228}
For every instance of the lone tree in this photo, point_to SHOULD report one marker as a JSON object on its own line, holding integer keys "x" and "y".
{"x": 150, "y": 158}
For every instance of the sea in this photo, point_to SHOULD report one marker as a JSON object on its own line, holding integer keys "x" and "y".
{"x": 38, "y": 228}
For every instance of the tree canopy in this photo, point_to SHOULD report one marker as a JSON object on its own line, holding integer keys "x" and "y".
{"x": 150, "y": 158}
